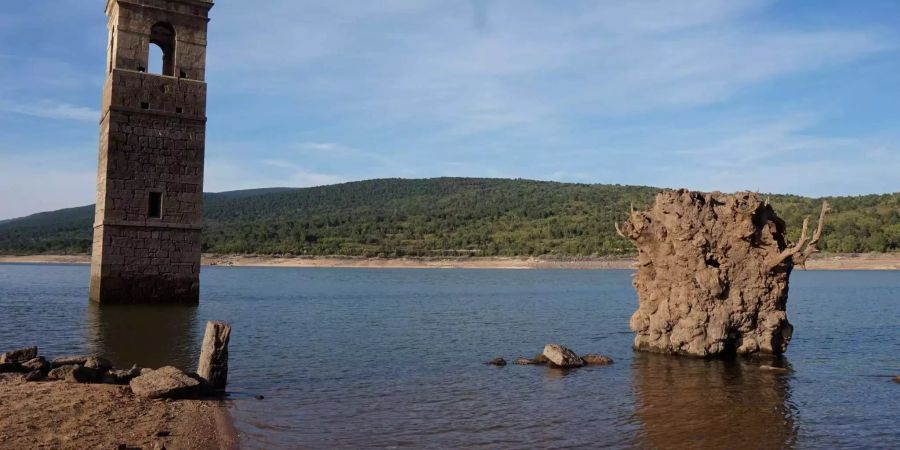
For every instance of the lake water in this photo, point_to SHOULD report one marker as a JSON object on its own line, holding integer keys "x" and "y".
{"x": 359, "y": 358}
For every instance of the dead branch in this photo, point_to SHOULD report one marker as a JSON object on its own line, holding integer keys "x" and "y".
{"x": 811, "y": 246}
{"x": 619, "y": 231}
{"x": 789, "y": 252}
{"x": 802, "y": 250}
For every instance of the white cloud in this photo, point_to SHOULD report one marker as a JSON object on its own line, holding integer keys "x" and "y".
{"x": 51, "y": 110}
{"x": 524, "y": 66}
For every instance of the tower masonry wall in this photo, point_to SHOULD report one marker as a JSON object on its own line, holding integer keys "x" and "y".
{"x": 148, "y": 220}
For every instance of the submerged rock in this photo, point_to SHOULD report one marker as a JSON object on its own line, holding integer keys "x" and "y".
{"x": 773, "y": 368}
{"x": 523, "y": 361}
{"x": 596, "y": 360}
{"x": 897, "y": 379}
{"x": 713, "y": 273}
{"x": 560, "y": 356}
{"x": 20, "y": 355}
{"x": 498, "y": 361}
{"x": 165, "y": 382}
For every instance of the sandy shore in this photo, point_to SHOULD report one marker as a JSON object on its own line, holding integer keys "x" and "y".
{"x": 60, "y": 415}
{"x": 864, "y": 261}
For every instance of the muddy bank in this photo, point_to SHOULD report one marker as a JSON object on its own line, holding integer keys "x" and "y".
{"x": 57, "y": 414}
{"x": 865, "y": 261}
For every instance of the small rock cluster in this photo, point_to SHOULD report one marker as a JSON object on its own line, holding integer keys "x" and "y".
{"x": 166, "y": 382}
{"x": 557, "y": 356}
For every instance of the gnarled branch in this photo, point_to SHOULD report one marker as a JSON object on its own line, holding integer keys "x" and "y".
{"x": 619, "y": 231}
{"x": 811, "y": 247}
{"x": 801, "y": 251}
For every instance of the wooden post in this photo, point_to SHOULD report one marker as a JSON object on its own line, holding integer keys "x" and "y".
{"x": 213, "y": 365}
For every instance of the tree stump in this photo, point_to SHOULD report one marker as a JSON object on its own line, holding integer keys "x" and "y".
{"x": 213, "y": 365}
{"x": 713, "y": 273}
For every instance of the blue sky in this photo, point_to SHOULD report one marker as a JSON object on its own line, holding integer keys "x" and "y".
{"x": 795, "y": 96}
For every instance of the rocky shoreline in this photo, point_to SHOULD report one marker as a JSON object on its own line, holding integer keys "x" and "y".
{"x": 85, "y": 402}
{"x": 61, "y": 415}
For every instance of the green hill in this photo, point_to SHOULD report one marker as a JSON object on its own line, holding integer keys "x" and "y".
{"x": 445, "y": 217}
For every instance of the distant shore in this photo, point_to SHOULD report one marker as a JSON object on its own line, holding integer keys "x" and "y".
{"x": 851, "y": 261}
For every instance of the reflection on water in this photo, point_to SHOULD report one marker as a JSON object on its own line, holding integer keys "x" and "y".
{"x": 149, "y": 336}
{"x": 694, "y": 403}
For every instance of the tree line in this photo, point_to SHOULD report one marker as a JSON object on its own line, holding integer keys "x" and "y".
{"x": 446, "y": 217}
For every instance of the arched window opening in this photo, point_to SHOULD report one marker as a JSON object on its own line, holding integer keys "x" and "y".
{"x": 155, "y": 65}
{"x": 162, "y": 37}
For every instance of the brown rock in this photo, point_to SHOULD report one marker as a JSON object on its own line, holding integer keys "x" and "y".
{"x": 69, "y": 360}
{"x": 38, "y": 363}
{"x": 560, "y": 356}
{"x": 98, "y": 363}
{"x": 713, "y": 274}
{"x": 498, "y": 361}
{"x": 61, "y": 372}
{"x": 897, "y": 379}
{"x": 73, "y": 374}
{"x": 523, "y": 361}
{"x": 596, "y": 360}
{"x": 35, "y": 375}
{"x": 81, "y": 374}
{"x": 165, "y": 382}
{"x": 20, "y": 355}
{"x": 121, "y": 376}
{"x": 10, "y": 367}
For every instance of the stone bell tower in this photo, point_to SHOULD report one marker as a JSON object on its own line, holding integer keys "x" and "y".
{"x": 150, "y": 173}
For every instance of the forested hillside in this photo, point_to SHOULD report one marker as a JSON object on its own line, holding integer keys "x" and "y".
{"x": 445, "y": 217}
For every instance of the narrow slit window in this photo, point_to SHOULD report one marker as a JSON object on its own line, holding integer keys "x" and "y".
{"x": 154, "y": 209}
{"x": 112, "y": 48}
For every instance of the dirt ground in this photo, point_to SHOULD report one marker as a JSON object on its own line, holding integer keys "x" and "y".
{"x": 61, "y": 415}
{"x": 862, "y": 261}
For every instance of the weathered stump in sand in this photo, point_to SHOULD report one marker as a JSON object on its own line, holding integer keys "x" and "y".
{"x": 713, "y": 273}
{"x": 213, "y": 366}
